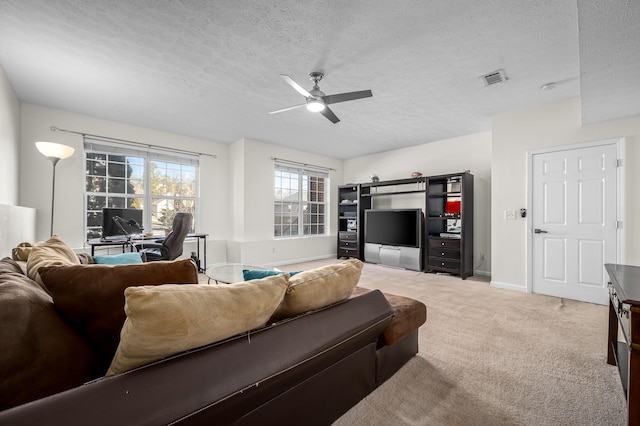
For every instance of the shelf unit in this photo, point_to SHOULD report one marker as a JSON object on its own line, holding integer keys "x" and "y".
{"x": 352, "y": 202}
{"x": 448, "y": 207}
{"x": 377, "y": 189}
{"x": 449, "y": 217}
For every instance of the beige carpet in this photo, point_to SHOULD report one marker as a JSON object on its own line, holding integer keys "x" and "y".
{"x": 493, "y": 357}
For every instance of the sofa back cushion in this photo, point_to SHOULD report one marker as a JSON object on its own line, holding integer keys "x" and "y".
{"x": 319, "y": 287}
{"x": 91, "y": 297}
{"x": 39, "y": 353}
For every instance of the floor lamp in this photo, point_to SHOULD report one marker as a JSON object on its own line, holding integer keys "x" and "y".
{"x": 54, "y": 152}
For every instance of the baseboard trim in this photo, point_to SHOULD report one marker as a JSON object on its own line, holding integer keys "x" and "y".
{"x": 301, "y": 260}
{"x": 482, "y": 273}
{"x": 508, "y": 286}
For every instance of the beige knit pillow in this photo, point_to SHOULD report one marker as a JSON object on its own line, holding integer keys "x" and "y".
{"x": 53, "y": 252}
{"x": 316, "y": 288}
{"x": 167, "y": 319}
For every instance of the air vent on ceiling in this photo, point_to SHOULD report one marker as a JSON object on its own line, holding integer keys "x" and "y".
{"x": 494, "y": 78}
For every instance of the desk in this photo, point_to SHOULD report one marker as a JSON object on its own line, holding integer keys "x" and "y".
{"x": 99, "y": 242}
{"x": 623, "y": 347}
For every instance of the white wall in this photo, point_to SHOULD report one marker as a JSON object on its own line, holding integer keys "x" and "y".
{"x": 253, "y": 180}
{"x": 9, "y": 142}
{"x": 36, "y": 172}
{"x": 17, "y": 225}
{"x": 516, "y": 133}
{"x": 472, "y": 152}
{"x": 236, "y": 188}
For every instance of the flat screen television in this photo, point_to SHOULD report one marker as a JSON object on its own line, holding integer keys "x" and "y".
{"x": 402, "y": 227}
{"x": 130, "y": 221}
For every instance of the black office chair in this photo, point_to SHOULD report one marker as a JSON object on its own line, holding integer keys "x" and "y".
{"x": 171, "y": 247}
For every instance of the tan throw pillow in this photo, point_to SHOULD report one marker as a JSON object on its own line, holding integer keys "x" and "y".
{"x": 21, "y": 252}
{"x": 168, "y": 319}
{"x": 319, "y": 287}
{"x": 53, "y": 252}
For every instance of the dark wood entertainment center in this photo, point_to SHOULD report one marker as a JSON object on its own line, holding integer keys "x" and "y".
{"x": 448, "y": 209}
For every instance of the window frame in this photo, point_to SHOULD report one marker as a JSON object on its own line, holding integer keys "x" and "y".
{"x": 304, "y": 197}
{"x": 148, "y": 155}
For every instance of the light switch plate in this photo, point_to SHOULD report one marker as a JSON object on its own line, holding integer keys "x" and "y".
{"x": 510, "y": 214}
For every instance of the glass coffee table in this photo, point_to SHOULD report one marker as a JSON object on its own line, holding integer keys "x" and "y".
{"x": 227, "y": 273}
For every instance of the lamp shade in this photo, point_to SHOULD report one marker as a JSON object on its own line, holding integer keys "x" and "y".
{"x": 54, "y": 150}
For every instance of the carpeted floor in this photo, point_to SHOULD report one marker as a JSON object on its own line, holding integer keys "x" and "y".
{"x": 493, "y": 357}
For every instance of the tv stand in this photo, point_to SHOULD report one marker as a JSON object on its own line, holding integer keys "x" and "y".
{"x": 394, "y": 256}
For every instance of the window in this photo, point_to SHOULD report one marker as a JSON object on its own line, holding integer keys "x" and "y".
{"x": 122, "y": 177}
{"x": 299, "y": 201}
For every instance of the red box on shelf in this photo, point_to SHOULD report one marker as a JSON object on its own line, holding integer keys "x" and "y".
{"x": 452, "y": 207}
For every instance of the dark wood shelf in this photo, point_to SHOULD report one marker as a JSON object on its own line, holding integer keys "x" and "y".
{"x": 445, "y": 194}
{"x": 393, "y": 182}
{"x": 379, "y": 194}
{"x": 445, "y": 254}
{"x": 351, "y": 225}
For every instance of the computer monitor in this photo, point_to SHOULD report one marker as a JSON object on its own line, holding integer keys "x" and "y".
{"x": 121, "y": 222}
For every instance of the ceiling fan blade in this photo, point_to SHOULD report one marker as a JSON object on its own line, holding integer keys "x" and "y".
{"x": 351, "y": 96}
{"x": 330, "y": 115}
{"x": 295, "y": 85}
{"x": 287, "y": 109}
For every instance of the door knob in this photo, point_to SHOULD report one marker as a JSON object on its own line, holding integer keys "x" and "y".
{"x": 539, "y": 231}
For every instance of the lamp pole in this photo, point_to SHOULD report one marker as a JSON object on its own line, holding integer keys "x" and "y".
{"x": 54, "y": 161}
{"x": 54, "y": 152}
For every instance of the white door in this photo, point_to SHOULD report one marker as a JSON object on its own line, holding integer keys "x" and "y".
{"x": 574, "y": 196}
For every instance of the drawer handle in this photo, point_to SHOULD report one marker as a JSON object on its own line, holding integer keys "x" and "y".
{"x": 442, "y": 253}
{"x": 442, "y": 243}
{"x": 442, "y": 263}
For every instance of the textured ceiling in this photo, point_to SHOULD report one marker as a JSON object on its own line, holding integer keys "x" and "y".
{"x": 211, "y": 69}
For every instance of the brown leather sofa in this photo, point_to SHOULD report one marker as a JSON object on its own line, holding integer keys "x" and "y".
{"x": 308, "y": 369}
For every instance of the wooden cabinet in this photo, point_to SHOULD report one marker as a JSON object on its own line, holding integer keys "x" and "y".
{"x": 351, "y": 208}
{"x": 449, "y": 217}
{"x": 623, "y": 348}
{"x": 448, "y": 208}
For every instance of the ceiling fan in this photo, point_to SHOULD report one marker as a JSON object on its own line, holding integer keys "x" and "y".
{"x": 317, "y": 101}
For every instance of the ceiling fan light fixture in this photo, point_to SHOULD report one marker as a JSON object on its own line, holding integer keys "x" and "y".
{"x": 315, "y": 105}
{"x": 317, "y": 101}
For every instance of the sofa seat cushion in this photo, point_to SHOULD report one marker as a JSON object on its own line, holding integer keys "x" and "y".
{"x": 91, "y": 297}
{"x": 164, "y": 320}
{"x": 40, "y": 354}
{"x": 319, "y": 287}
{"x": 408, "y": 315}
